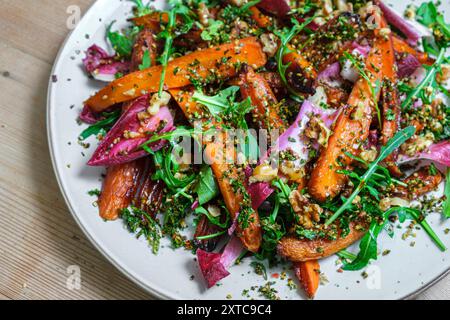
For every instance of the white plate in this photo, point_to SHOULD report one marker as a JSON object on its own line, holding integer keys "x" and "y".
{"x": 398, "y": 275}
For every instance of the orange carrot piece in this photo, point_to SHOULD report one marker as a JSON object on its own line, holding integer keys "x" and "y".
{"x": 151, "y": 21}
{"x": 217, "y": 62}
{"x": 118, "y": 189}
{"x": 301, "y": 250}
{"x": 401, "y": 46}
{"x": 266, "y": 111}
{"x": 308, "y": 273}
{"x": 351, "y": 129}
{"x": 391, "y": 106}
{"x": 261, "y": 19}
{"x": 224, "y": 171}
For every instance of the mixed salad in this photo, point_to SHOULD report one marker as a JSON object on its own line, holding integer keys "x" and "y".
{"x": 279, "y": 130}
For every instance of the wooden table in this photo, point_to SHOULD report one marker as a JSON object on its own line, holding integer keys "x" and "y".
{"x": 39, "y": 240}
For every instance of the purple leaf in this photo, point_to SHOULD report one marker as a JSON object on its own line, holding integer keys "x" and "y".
{"x": 400, "y": 23}
{"x": 214, "y": 265}
{"x": 122, "y": 143}
{"x": 407, "y": 66}
{"x": 277, "y": 7}
{"x": 102, "y": 66}
{"x": 439, "y": 153}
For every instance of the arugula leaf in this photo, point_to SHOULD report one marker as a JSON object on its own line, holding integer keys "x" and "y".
{"x": 105, "y": 124}
{"x": 393, "y": 144}
{"x": 368, "y": 245}
{"x": 429, "y": 78}
{"x": 344, "y": 254}
{"x": 142, "y": 9}
{"x": 141, "y": 223}
{"x": 429, "y": 15}
{"x": 212, "y": 219}
{"x": 122, "y": 43}
{"x": 447, "y": 195}
{"x": 224, "y": 106}
{"x": 146, "y": 61}
{"x": 219, "y": 103}
{"x": 206, "y": 188}
{"x": 166, "y": 169}
{"x": 170, "y": 33}
{"x": 213, "y": 31}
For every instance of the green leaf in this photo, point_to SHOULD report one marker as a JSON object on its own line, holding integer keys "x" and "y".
{"x": 447, "y": 195}
{"x": 122, "y": 43}
{"x": 213, "y": 30}
{"x": 212, "y": 219}
{"x": 393, "y": 144}
{"x": 368, "y": 246}
{"x": 426, "y": 14}
{"x": 207, "y": 188}
{"x": 146, "y": 61}
{"x": 429, "y": 78}
{"x": 142, "y": 224}
{"x": 219, "y": 103}
{"x": 104, "y": 124}
{"x": 142, "y": 9}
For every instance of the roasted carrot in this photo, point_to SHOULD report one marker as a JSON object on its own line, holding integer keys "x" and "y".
{"x": 300, "y": 73}
{"x": 297, "y": 250}
{"x": 117, "y": 190}
{"x": 391, "y": 106}
{"x": 419, "y": 183}
{"x": 145, "y": 42}
{"x": 308, "y": 273}
{"x": 219, "y": 156}
{"x": 352, "y": 127}
{"x": 151, "y": 21}
{"x": 261, "y": 19}
{"x": 401, "y": 46}
{"x": 218, "y": 63}
{"x": 266, "y": 111}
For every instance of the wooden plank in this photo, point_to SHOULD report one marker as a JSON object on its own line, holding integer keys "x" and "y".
{"x": 39, "y": 240}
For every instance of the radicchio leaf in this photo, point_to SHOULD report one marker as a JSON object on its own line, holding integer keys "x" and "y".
{"x": 407, "y": 66}
{"x": 277, "y": 7}
{"x": 439, "y": 153}
{"x": 292, "y": 139}
{"x": 116, "y": 148}
{"x": 102, "y": 66}
{"x": 408, "y": 28}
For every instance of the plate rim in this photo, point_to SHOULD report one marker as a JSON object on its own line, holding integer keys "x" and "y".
{"x": 157, "y": 294}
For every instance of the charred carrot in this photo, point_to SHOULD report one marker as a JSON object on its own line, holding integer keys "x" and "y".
{"x": 219, "y": 62}
{"x": 225, "y": 172}
{"x": 300, "y": 250}
{"x": 308, "y": 273}
{"x": 266, "y": 111}
{"x": 391, "y": 104}
{"x": 419, "y": 183}
{"x": 117, "y": 189}
{"x": 261, "y": 19}
{"x": 351, "y": 129}
{"x": 401, "y": 46}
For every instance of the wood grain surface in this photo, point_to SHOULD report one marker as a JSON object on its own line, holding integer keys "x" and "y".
{"x": 39, "y": 240}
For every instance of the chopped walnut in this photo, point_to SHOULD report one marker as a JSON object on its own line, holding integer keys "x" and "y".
{"x": 318, "y": 131}
{"x": 156, "y": 102}
{"x": 443, "y": 76}
{"x": 263, "y": 173}
{"x": 307, "y": 212}
{"x": 270, "y": 44}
